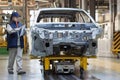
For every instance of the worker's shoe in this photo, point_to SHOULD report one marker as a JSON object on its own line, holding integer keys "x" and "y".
{"x": 21, "y": 72}
{"x": 10, "y": 72}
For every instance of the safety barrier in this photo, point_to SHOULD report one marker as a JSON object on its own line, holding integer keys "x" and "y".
{"x": 116, "y": 43}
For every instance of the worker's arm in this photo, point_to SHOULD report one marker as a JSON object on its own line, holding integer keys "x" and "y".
{"x": 10, "y": 30}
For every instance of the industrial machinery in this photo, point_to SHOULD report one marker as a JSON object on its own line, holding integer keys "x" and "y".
{"x": 64, "y": 35}
{"x": 4, "y": 19}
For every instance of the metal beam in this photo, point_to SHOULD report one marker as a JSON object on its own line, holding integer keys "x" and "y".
{"x": 92, "y": 8}
{"x": 85, "y": 5}
{"x": 111, "y": 11}
{"x": 72, "y": 3}
{"x": 80, "y": 4}
{"x": 26, "y": 13}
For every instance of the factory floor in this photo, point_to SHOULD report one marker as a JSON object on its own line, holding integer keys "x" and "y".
{"x": 100, "y": 68}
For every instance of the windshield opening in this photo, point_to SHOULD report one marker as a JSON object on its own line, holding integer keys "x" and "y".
{"x": 55, "y": 16}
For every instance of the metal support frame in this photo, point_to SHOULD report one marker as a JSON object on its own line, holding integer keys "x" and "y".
{"x": 84, "y": 4}
{"x": 80, "y": 4}
{"x": 92, "y": 8}
{"x": 46, "y": 64}
{"x": 25, "y": 18}
{"x": 83, "y": 63}
{"x": 69, "y": 3}
{"x": 83, "y": 60}
{"x": 72, "y": 3}
{"x": 115, "y": 36}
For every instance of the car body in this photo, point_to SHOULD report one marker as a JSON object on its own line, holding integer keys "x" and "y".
{"x": 64, "y": 31}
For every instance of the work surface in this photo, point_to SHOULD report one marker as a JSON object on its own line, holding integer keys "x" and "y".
{"x": 98, "y": 69}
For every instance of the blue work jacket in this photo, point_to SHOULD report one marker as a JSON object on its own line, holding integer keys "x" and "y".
{"x": 12, "y": 39}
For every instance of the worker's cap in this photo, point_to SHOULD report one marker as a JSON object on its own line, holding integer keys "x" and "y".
{"x": 15, "y": 14}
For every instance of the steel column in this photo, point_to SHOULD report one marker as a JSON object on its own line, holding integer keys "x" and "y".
{"x": 92, "y": 8}
{"x": 85, "y": 5}
{"x": 80, "y": 4}
{"x": 70, "y": 3}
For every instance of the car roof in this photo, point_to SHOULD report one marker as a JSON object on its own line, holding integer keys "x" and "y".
{"x": 45, "y": 10}
{"x": 51, "y": 9}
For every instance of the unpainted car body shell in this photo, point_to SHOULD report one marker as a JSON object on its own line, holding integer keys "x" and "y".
{"x": 77, "y": 38}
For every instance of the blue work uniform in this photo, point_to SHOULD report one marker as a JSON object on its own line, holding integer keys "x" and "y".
{"x": 14, "y": 40}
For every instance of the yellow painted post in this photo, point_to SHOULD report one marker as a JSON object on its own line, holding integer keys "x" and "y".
{"x": 83, "y": 63}
{"x": 47, "y": 64}
{"x": 25, "y": 44}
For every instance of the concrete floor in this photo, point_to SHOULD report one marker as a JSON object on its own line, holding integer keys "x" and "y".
{"x": 101, "y": 68}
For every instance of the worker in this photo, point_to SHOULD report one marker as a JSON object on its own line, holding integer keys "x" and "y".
{"x": 15, "y": 43}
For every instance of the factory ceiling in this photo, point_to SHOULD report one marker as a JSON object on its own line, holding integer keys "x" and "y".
{"x": 8, "y": 4}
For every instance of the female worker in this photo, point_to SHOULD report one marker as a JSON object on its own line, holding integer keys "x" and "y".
{"x": 15, "y": 43}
